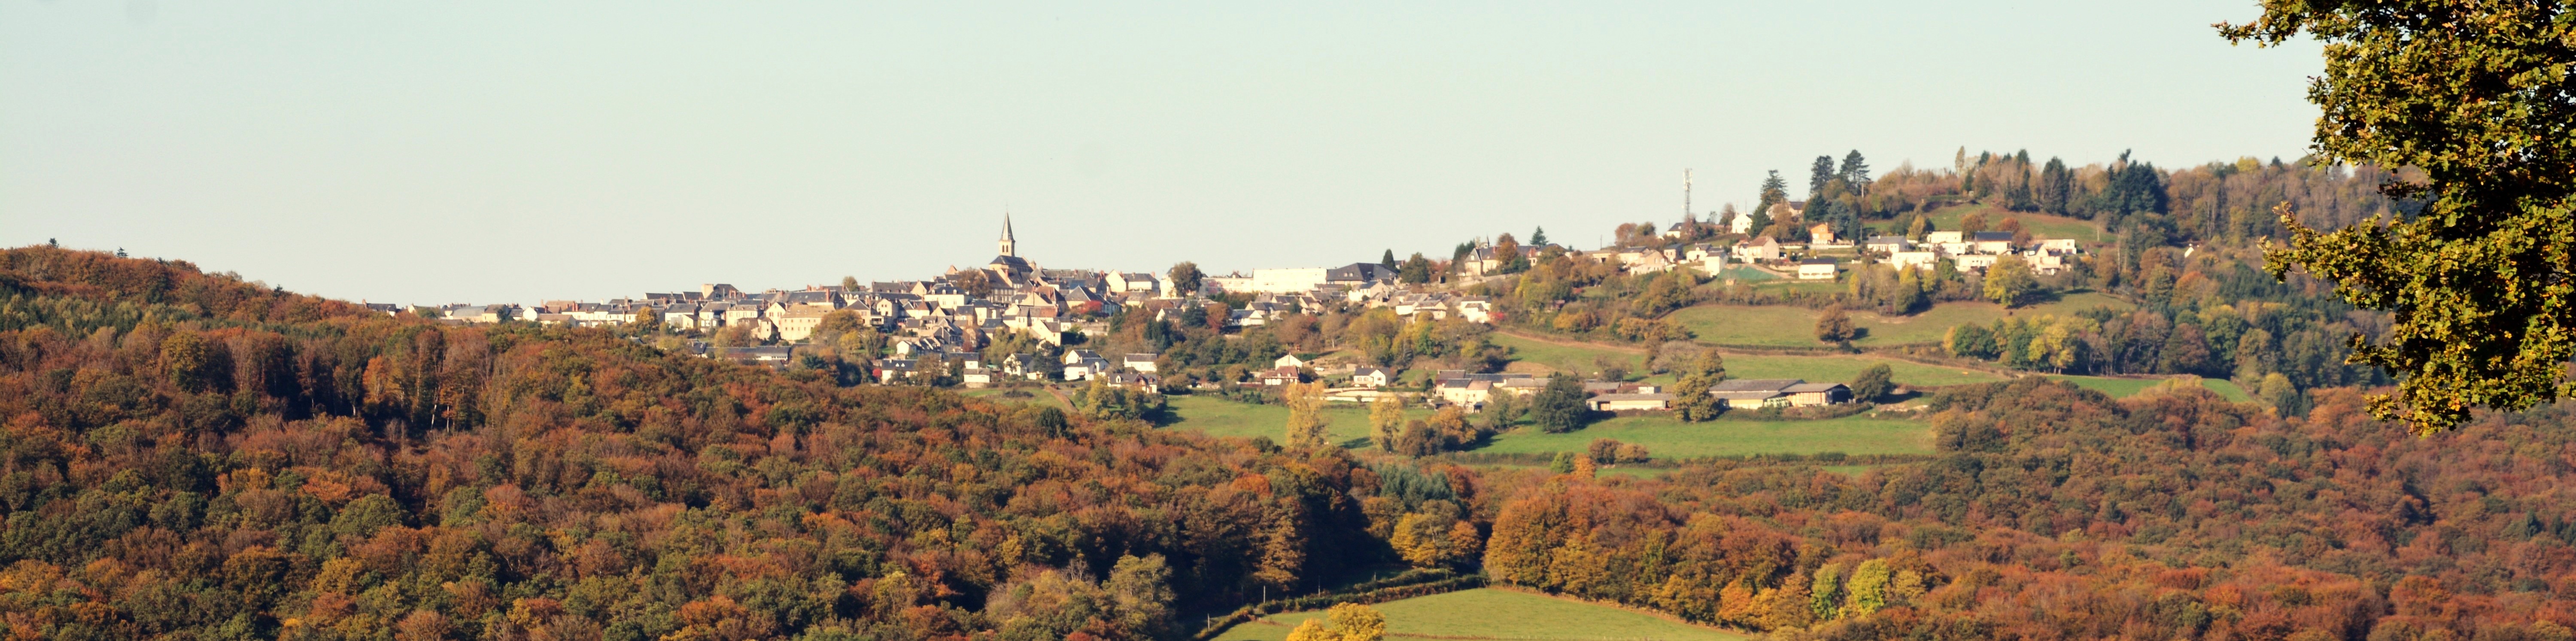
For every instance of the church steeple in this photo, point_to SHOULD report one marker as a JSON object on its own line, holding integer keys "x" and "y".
{"x": 1009, "y": 246}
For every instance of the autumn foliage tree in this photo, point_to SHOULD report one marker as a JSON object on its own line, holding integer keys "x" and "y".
{"x": 2475, "y": 96}
{"x": 188, "y": 455}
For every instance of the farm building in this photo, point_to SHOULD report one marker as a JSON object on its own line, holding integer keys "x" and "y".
{"x": 1817, "y": 269}
{"x": 1750, "y": 393}
{"x": 1631, "y": 402}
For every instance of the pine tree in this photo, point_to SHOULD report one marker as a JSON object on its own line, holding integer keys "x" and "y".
{"x": 1389, "y": 260}
{"x": 1775, "y": 190}
{"x": 1818, "y": 176}
{"x": 1538, "y": 236}
{"x": 2055, "y": 183}
{"x": 1855, "y": 172}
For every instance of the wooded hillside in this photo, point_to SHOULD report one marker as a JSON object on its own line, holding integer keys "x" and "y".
{"x": 192, "y": 456}
{"x": 2056, "y": 512}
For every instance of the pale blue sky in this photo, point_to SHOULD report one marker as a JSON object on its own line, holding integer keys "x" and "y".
{"x": 423, "y": 152}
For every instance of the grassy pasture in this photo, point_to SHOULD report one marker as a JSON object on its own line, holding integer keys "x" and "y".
{"x": 1578, "y": 358}
{"x": 1784, "y": 326}
{"x": 1745, "y": 274}
{"x": 1499, "y": 614}
{"x": 2227, "y": 389}
{"x": 2127, "y": 387}
{"x": 2115, "y": 387}
{"x": 1667, "y": 437}
{"x": 1842, "y": 368}
{"x": 1575, "y": 358}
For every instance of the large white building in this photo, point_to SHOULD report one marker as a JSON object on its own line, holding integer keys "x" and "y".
{"x": 1287, "y": 281}
{"x": 1302, "y": 280}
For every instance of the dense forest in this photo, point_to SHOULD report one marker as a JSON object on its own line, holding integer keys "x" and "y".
{"x": 193, "y": 456}
{"x": 2058, "y": 513}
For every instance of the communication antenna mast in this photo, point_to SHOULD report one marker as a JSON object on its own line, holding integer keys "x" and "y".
{"x": 1686, "y": 186}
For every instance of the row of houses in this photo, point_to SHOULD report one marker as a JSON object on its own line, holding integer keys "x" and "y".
{"x": 1966, "y": 252}
{"x": 1483, "y": 260}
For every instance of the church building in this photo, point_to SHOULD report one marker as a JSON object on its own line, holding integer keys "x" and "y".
{"x": 1010, "y": 262}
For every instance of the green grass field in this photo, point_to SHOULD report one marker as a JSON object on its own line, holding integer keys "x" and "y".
{"x": 1842, "y": 368}
{"x": 2127, "y": 387}
{"x": 1807, "y": 286}
{"x": 2227, "y": 389}
{"x": 1576, "y": 358}
{"x": 1666, "y": 437}
{"x": 1220, "y": 417}
{"x": 2115, "y": 387}
{"x": 1783, "y": 326}
{"x": 1745, "y": 274}
{"x": 1499, "y": 614}
{"x": 1766, "y": 325}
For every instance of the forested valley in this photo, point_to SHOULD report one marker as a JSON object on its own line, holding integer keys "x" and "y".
{"x": 196, "y": 456}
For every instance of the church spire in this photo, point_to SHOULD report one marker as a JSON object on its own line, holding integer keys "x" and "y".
{"x": 1009, "y": 245}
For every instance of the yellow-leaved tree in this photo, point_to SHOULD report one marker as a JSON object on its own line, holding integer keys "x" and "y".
{"x": 1345, "y": 622}
{"x": 1386, "y": 420}
{"x": 1306, "y": 420}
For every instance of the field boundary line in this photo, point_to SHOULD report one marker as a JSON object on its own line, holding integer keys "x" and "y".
{"x": 1381, "y": 591}
{"x": 1667, "y": 616}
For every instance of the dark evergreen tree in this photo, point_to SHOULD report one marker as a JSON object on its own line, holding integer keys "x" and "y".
{"x": 1416, "y": 270}
{"x": 1538, "y": 237}
{"x": 1818, "y": 176}
{"x": 1388, "y": 260}
{"x": 2135, "y": 188}
{"x": 2055, "y": 184}
{"x": 1855, "y": 172}
{"x": 1775, "y": 190}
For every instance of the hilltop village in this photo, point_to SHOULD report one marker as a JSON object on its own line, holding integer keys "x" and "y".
{"x": 1013, "y": 321}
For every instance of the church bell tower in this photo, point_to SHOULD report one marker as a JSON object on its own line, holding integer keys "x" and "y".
{"x": 1009, "y": 247}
